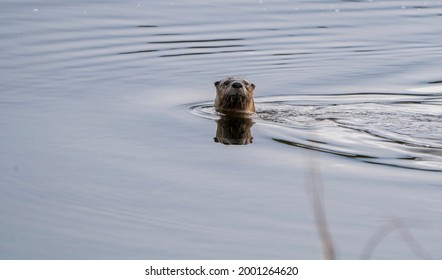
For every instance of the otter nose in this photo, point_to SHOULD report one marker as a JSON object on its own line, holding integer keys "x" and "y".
{"x": 237, "y": 85}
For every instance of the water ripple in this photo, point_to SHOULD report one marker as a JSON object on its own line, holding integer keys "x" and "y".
{"x": 401, "y": 130}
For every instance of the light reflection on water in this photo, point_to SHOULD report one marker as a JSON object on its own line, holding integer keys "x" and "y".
{"x": 402, "y": 130}
{"x": 101, "y": 158}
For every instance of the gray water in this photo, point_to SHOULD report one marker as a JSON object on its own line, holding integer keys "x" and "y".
{"x": 107, "y": 129}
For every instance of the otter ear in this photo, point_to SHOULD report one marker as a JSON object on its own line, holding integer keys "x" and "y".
{"x": 253, "y": 86}
{"x": 216, "y": 83}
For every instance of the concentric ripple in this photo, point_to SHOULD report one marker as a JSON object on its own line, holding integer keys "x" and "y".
{"x": 402, "y": 130}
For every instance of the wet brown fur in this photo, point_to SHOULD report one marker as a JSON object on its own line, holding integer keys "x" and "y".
{"x": 234, "y": 100}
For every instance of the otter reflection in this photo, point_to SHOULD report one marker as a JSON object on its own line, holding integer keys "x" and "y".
{"x": 234, "y": 130}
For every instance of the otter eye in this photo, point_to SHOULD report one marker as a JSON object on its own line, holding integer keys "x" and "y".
{"x": 226, "y": 83}
{"x": 246, "y": 83}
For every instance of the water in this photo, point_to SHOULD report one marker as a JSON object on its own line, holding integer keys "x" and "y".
{"x": 107, "y": 129}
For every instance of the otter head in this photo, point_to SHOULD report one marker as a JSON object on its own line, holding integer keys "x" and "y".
{"x": 234, "y": 95}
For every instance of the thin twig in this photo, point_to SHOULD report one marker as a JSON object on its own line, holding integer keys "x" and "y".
{"x": 394, "y": 224}
{"x": 314, "y": 187}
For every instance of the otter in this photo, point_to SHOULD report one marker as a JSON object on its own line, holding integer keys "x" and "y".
{"x": 234, "y": 100}
{"x": 234, "y": 96}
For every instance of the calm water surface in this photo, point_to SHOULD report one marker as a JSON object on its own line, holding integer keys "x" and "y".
{"x": 107, "y": 129}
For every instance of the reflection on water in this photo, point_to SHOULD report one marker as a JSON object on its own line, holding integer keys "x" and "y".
{"x": 402, "y": 130}
{"x": 234, "y": 130}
